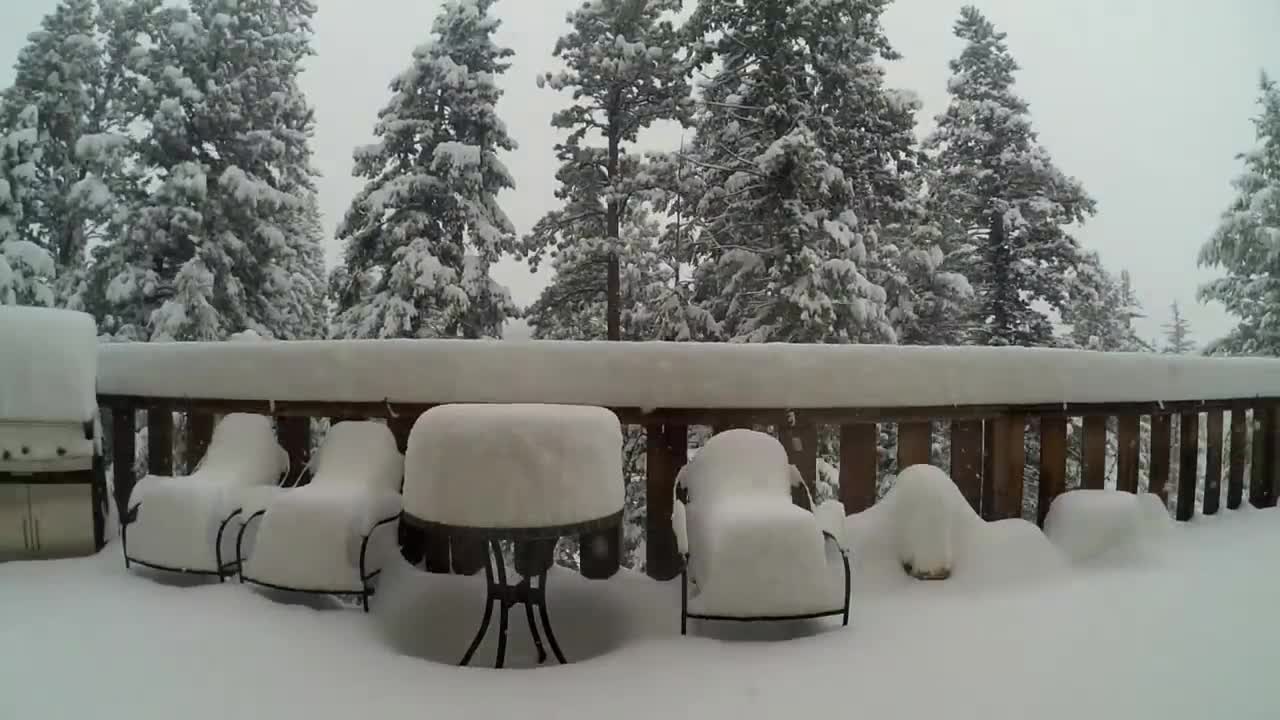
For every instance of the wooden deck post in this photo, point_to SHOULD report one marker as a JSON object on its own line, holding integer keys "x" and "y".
{"x": 159, "y": 440}
{"x": 294, "y": 434}
{"x": 915, "y": 444}
{"x": 666, "y": 453}
{"x": 1158, "y": 466}
{"x": 1188, "y": 462}
{"x": 122, "y": 455}
{"x": 1094, "y": 451}
{"x": 1213, "y": 464}
{"x": 1128, "y": 433}
{"x": 859, "y": 469}
{"x": 1238, "y": 453}
{"x": 199, "y": 433}
{"x": 966, "y": 460}
{"x": 801, "y": 443}
{"x": 1006, "y": 455}
{"x": 1266, "y": 427}
{"x": 1053, "y": 464}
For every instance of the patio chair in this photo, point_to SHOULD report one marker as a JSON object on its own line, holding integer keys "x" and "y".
{"x": 186, "y": 524}
{"x": 330, "y": 536}
{"x": 750, "y": 554}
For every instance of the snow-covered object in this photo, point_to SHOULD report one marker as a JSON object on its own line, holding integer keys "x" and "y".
{"x": 310, "y": 537}
{"x": 736, "y": 463}
{"x": 178, "y": 517}
{"x": 929, "y": 515}
{"x": 1089, "y": 525}
{"x": 44, "y": 447}
{"x": 672, "y": 375}
{"x": 514, "y": 465}
{"x": 48, "y": 365}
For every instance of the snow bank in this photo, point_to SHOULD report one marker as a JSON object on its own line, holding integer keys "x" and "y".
{"x": 309, "y": 537}
{"x": 514, "y": 465}
{"x": 672, "y": 375}
{"x": 925, "y": 527}
{"x": 48, "y": 365}
{"x": 1092, "y": 525}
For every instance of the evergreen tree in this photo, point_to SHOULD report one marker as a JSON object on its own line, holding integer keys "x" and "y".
{"x": 26, "y": 269}
{"x": 1244, "y": 244}
{"x": 80, "y": 71}
{"x": 1177, "y": 333}
{"x": 625, "y": 67}
{"x": 1100, "y": 310}
{"x": 215, "y": 246}
{"x": 1000, "y": 184}
{"x": 798, "y": 153}
{"x": 422, "y": 234}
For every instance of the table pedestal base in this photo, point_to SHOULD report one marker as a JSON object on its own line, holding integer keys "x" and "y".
{"x": 506, "y": 597}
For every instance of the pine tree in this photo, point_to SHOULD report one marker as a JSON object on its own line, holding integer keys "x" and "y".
{"x": 1100, "y": 309}
{"x": 1243, "y": 245}
{"x": 80, "y": 71}
{"x": 1000, "y": 184}
{"x": 1177, "y": 333}
{"x": 796, "y": 141}
{"x": 624, "y": 64}
{"x": 422, "y": 234}
{"x": 216, "y": 245}
{"x": 26, "y": 269}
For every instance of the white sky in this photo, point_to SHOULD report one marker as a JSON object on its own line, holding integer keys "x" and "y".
{"x": 1146, "y": 101}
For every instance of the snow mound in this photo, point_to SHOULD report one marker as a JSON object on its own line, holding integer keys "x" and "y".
{"x": 514, "y": 465}
{"x": 925, "y": 527}
{"x": 1097, "y": 525}
{"x": 48, "y": 365}
{"x": 310, "y": 537}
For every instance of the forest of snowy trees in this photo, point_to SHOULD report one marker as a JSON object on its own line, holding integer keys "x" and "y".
{"x": 155, "y": 171}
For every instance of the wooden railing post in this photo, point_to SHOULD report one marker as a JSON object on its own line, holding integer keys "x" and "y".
{"x": 1006, "y": 455}
{"x": 1128, "y": 433}
{"x": 1239, "y": 452}
{"x": 1213, "y": 464}
{"x": 1262, "y": 486}
{"x": 199, "y": 432}
{"x": 966, "y": 460}
{"x": 122, "y": 455}
{"x": 801, "y": 443}
{"x": 915, "y": 444}
{"x": 1158, "y": 466}
{"x": 159, "y": 440}
{"x": 1094, "y": 451}
{"x": 294, "y": 434}
{"x": 1053, "y": 463}
{"x": 859, "y": 466}
{"x": 666, "y": 453}
{"x": 1188, "y": 462}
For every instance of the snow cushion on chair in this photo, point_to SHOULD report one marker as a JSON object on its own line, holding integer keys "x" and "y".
{"x": 514, "y": 465}
{"x": 178, "y": 518}
{"x": 738, "y": 462}
{"x": 309, "y": 537}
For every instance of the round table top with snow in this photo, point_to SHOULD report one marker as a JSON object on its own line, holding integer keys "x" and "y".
{"x": 516, "y": 468}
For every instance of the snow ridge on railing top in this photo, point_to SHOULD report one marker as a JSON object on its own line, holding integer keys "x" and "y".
{"x": 670, "y": 375}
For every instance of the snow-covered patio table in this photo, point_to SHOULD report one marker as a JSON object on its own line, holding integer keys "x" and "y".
{"x": 524, "y": 474}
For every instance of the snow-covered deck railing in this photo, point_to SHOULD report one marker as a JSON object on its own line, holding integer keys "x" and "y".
{"x": 984, "y": 400}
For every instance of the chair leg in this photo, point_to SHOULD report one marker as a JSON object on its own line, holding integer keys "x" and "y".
{"x": 684, "y": 602}
{"x": 364, "y": 600}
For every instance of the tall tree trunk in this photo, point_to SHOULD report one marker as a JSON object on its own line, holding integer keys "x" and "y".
{"x": 613, "y": 225}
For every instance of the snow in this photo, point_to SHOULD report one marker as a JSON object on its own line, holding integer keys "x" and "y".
{"x": 178, "y": 517}
{"x": 675, "y": 375}
{"x": 44, "y": 447}
{"x": 48, "y": 362}
{"x": 139, "y": 648}
{"x": 1103, "y": 525}
{"x": 514, "y": 465}
{"x": 310, "y": 536}
{"x": 735, "y": 463}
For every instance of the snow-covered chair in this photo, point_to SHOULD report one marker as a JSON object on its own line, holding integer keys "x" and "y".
{"x": 749, "y": 552}
{"x": 186, "y": 524}
{"x": 324, "y": 537}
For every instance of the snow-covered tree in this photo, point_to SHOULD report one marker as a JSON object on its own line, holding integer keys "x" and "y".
{"x": 1100, "y": 309}
{"x": 26, "y": 269}
{"x": 997, "y": 181}
{"x": 798, "y": 152}
{"x": 1244, "y": 244}
{"x": 220, "y": 240}
{"x": 421, "y": 235}
{"x": 80, "y": 70}
{"x": 1177, "y": 333}
{"x": 625, "y": 67}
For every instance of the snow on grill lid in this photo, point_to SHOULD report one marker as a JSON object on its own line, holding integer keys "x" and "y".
{"x": 48, "y": 365}
{"x": 513, "y": 466}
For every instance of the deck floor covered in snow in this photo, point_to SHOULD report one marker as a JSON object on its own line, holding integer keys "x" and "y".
{"x": 1188, "y": 632}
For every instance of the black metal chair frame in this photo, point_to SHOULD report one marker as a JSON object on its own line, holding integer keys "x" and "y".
{"x": 366, "y": 589}
{"x": 224, "y": 569}
{"x": 498, "y": 589}
{"x": 685, "y": 615}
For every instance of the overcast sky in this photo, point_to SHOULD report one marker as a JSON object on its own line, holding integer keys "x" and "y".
{"x": 1146, "y": 101}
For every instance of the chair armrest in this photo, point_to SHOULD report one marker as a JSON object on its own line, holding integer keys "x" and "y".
{"x": 381, "y": 509}
{"x": 680, "y": 524}
{"x": 830, "y": 517}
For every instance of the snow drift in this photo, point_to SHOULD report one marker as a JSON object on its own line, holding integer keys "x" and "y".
{"x": 1101, "y": 525}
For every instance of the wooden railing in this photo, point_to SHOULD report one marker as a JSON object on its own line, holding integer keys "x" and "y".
{"x": 987, "y": 458}
{"x": 988, "y": 404}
